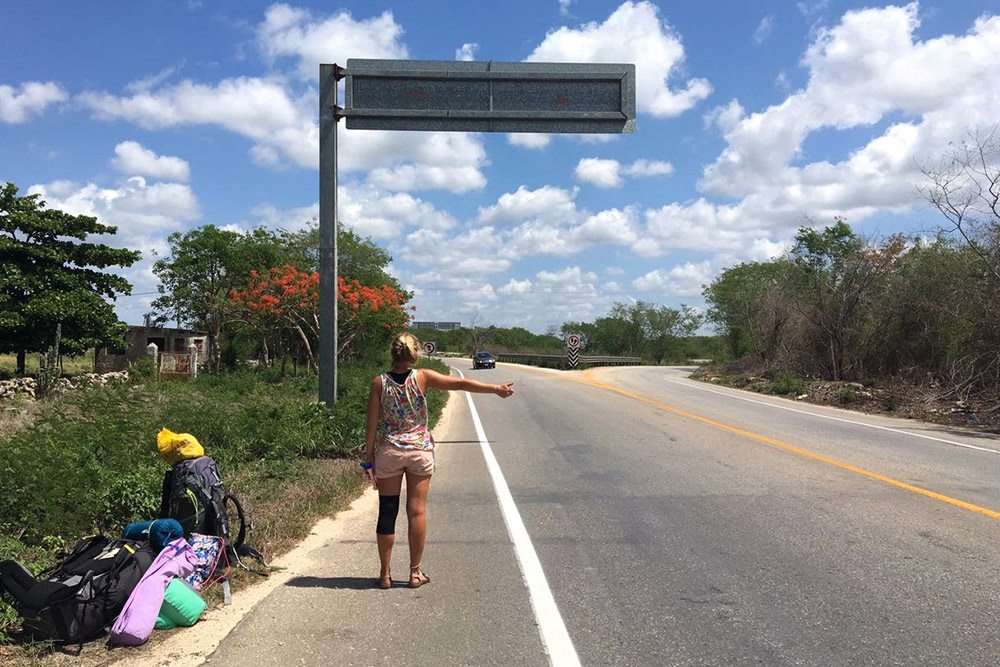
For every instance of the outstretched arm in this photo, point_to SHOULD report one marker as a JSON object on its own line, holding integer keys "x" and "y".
{"x": 371, "y": 425}
{"x": 437, "y": 380}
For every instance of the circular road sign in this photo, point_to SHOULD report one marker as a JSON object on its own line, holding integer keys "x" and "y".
{"x": 573, "y": 341}
{"x": 430, "y": 347}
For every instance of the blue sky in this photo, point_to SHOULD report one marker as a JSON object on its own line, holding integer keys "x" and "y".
{"x": 753, "y": 120}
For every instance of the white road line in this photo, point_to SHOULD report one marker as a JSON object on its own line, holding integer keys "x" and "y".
{"x": 555, "y": 639}
{"x": 692, "y": 385}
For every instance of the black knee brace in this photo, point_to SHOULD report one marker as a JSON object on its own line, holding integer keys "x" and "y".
{"x": 388, "y": 508}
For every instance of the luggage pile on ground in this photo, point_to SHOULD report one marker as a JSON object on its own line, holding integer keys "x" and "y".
{"x": 151, "y": 577}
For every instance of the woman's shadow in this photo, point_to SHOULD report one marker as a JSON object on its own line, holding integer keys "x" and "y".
{"x": 353, "y": 583}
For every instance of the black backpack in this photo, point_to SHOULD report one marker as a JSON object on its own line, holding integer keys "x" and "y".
{"x": 193, "y": 494}
{"x": 82, "y": 595}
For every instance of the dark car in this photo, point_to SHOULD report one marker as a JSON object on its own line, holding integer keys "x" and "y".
{"x": 483, "y": 360}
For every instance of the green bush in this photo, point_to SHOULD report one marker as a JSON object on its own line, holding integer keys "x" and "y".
{"x": 847, "y": 395}
{"x": 142, "y": 369}
{"x": 784, "y": 382}
{"x": 90, "y": 463}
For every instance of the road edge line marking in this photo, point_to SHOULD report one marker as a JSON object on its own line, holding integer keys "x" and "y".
{"x": 802, "y": 452}
{"x": 555, "y": 638}
{"x": 695, "y": 385}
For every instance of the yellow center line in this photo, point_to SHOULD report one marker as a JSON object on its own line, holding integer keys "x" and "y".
{"x": 790, "y": 448}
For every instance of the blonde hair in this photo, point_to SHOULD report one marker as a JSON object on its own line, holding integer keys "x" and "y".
{"x": 405, "y": 349}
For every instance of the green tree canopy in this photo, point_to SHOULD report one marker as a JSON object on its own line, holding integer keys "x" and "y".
{"x": 750, "y": 305}
{"x": 358, "y": 258}
{"x": 204, "y": 266}
{"x": 50, "y": 274}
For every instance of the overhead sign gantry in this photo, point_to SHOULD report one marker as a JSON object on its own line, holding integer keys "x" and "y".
{"x": 452, "y": 96}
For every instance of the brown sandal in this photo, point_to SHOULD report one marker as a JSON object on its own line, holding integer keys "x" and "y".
{"x": 417, "y": 577}
{"x": 385, "y": 583}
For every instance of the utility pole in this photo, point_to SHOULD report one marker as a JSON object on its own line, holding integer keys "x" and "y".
{"x": 328, "y": 117}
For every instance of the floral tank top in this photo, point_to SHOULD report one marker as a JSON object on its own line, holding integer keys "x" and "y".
{"x": 403, "y": 417}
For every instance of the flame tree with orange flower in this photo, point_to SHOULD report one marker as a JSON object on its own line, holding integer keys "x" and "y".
{"x": 287, "y": 298}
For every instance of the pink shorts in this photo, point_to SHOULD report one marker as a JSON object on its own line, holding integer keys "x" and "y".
{"x": 391, "y": 461}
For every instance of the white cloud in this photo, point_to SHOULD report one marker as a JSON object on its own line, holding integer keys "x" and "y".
{"x": 606, "y": 173}
{"x": 529, "y": 140}
{"x": 516, "y": 287}
{"x": 564, "y": 7}
{"x": 809, "y": 9}
{"x": 365, "y": 210}
{"x": 17, "y": 106}
{"x": 571, "y": 275}
{"x": 278, "y": 114}
{"x": 867, "y": 69}
{"x": 295, "y": 218}
{"x": 612, "y": 226}
{"x": 548, "y": 203}
{"x": 410, "y": 177}
{"x": 138, "y": 209}
{"x": 644, "y": 167}
{"x": 600, "y": 172}
{"x": 683, "y": 280}
{"x": 297, "y": 32}
{"x": 556, "y": 296}
{"x": 633, "y": 33}
{"x": 133, "y": 159}
{"x": 467, "y": 51}
{"x": 284, "y": 128}
{"x": 142, "y": 85}
{"x": 143, "y": 213}
{"x": 861, "y": 70}
{"x": 371, "y": 212}
{"x": 257, "y": 108}
{"x": 764, "y": 29}
{"x": 726, "y": 118}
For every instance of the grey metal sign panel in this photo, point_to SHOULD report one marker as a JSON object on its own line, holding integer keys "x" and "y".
{"x": 443, "y": 95}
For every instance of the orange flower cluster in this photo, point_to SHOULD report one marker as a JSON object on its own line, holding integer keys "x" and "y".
{"x": 285, "y": 289}
{"x": 289, "y": 297}
{"x": 356, "y": 295}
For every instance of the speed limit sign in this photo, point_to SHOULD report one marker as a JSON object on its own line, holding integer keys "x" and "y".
{"x": 573, "y": 341}
{"x": 430, "y": 347}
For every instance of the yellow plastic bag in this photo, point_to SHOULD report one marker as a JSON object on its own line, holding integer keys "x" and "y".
{"x": 175, "y": 447}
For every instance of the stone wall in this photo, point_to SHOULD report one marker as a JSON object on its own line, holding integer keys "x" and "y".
{"x": 27, "y": 386}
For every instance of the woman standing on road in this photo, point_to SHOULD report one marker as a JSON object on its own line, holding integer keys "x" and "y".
{"x": 397, "y": 418}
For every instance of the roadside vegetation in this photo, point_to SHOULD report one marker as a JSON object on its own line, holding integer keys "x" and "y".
{"x": 904, "y": 325}
{"x": 83, "y": 461}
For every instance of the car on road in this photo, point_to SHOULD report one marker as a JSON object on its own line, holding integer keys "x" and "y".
{"x": 483, "y": 360}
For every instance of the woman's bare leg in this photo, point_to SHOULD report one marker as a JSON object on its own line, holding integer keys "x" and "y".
{"x": 387, "y": 486}
{"x": 416, "y": 508}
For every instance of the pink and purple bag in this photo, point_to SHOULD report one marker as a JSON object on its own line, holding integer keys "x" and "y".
{"x": 135, "y": 624}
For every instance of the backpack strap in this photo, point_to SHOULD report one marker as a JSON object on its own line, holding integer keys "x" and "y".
{"x": 241, "y": 536}
{"x": 239, "y": 547}
{"x": 168, "y": 481}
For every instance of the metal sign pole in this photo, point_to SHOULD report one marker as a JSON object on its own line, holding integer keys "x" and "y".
{"x": 328, "y": 234}
{"x": 451, "y": 96}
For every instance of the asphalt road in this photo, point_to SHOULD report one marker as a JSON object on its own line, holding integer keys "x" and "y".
{"x": 675, "y": 523}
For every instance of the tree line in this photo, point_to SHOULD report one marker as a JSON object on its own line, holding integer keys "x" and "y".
{"x": 843, "y": 307}
{"x": 255, "y": 294}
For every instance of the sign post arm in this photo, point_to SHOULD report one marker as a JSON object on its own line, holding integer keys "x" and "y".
{"x": 327, "y": 235}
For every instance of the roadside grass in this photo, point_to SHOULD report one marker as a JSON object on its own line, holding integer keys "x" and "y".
{"x": 71, "y": 365}
{"x": 897, "y": 396}
{"x": 88, "y": 463}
